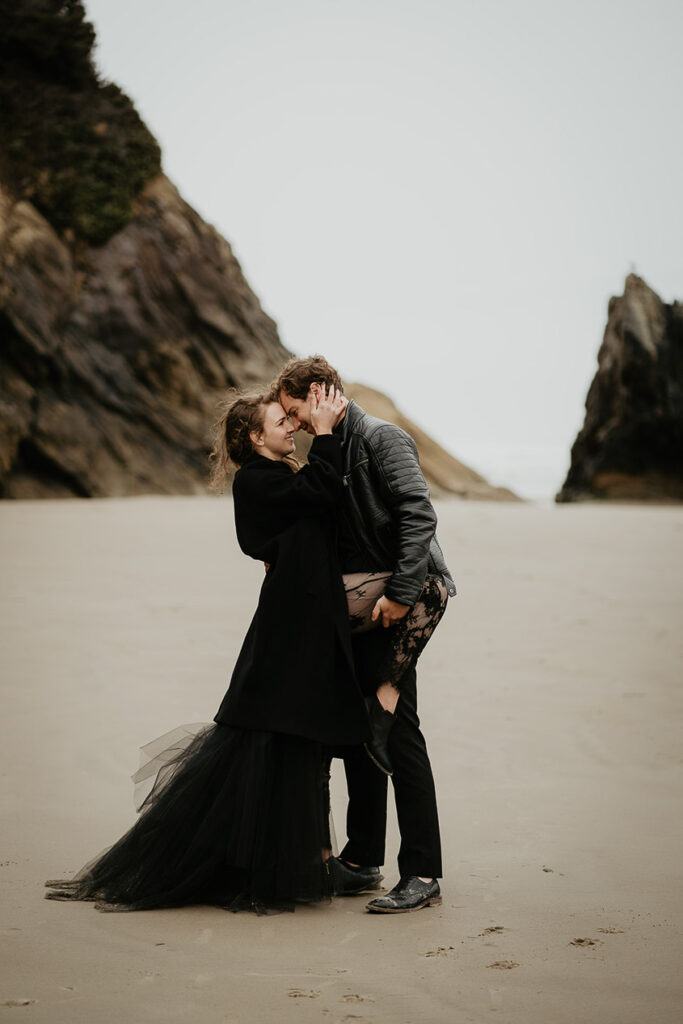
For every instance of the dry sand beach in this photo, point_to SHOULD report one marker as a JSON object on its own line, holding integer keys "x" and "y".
{"x": 551, "y": 699}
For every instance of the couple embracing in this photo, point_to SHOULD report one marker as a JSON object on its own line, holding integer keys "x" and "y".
{"x": 355, "y": 584}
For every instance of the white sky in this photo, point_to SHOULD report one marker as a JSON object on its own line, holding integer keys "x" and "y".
{"x": 438, "y": 196}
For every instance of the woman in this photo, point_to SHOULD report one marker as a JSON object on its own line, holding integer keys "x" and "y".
{"x": 240, "y": 817}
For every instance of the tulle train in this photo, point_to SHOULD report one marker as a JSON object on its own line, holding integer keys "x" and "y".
{"x": 237, "y": 818}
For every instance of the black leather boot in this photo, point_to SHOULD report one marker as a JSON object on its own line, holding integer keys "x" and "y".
{"x": 348, "y": 881}
{"x": 381, "y": 722}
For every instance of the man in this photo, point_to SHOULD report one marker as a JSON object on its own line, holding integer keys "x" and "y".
{"x": 386, "y": 526}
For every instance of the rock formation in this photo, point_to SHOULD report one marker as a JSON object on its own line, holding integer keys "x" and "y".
{"x": 631, "y": 444}
{"x": 123, "y": 315}
{"x": 111, "y": 366}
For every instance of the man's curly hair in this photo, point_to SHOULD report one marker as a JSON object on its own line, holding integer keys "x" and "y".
{"x": 297, "y": 375}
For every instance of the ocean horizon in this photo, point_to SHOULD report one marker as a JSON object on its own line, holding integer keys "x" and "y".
{"x": 534, "y": 471}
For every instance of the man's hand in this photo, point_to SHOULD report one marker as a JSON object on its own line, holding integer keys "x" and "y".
{"x": 391, "y": 611}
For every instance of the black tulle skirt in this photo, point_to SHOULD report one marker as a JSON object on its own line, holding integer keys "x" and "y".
{"x": 235, "y": 818}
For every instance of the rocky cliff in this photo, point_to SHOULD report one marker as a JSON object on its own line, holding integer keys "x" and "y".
{"x": 631, "y": 444}
{"x": 111, "y": 365}
{"x": 123, "y": 315}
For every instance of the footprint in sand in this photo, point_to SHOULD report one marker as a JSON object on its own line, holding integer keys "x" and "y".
{"x": 303, "y": 993}
{"x": 495, "y": 929}
{"x": 611, "y": 931}
{"x": 18, "y": 1002}
{"x": 439, "y": 951}
{"x": 353, "y": 997}
{"x": 503, "y": 965}
{"x": 585, "y": 942}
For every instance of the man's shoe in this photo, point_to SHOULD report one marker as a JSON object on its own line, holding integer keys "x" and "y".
{"x": 348, "y": 881}
{"x": 410, "y": 894}
{"x": 381, "y": 722}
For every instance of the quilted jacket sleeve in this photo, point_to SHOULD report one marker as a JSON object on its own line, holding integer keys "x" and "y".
{"x": 396, "y": 468}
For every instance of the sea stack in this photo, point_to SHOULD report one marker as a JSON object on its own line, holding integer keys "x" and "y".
{"x": 631, "y": 445}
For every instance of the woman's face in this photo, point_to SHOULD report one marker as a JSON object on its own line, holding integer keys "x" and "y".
{"x": 276, "y": 439}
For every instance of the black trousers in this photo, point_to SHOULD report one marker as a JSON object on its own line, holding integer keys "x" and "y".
{"x": 418, "y": 820}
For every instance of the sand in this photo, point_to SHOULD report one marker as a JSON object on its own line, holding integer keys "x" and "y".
{"x": 551, "y": 700}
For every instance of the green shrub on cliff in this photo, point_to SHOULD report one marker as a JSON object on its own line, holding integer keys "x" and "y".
{"x": 71, "y": 144}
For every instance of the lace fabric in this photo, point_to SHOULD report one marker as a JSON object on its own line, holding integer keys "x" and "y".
{"x": 407, "y": 639}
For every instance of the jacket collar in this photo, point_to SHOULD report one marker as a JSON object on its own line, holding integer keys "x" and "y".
{"x": 353, "y": 414}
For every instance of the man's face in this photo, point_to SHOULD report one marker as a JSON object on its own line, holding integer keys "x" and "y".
{"x": 299, "y": 409}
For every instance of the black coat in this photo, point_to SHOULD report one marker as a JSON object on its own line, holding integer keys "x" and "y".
{"x": 294, "y": 673}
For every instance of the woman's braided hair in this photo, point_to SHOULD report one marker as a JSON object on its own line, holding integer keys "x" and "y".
{"x": 240, "y": 415}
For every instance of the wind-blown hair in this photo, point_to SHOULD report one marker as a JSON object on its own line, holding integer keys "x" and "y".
{"x": 240, "y": 415}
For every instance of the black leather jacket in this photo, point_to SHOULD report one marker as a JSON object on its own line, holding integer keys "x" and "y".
{"x": 387, "y": 520}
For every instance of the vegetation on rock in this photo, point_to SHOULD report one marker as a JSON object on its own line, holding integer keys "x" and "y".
{"x": 71, "y": 144}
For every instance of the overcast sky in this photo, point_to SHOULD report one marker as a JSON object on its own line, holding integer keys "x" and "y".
{"x": 439, "y": 196}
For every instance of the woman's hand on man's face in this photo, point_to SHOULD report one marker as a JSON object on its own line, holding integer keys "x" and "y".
{"x": 327, "y": 404}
